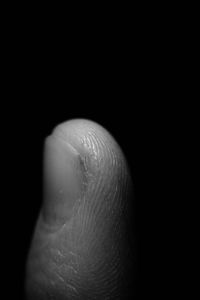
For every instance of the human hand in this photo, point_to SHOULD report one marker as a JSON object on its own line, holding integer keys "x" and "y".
{"x": 83, "y": 246}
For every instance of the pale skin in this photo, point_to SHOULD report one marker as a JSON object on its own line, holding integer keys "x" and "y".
{"x": 84, "y": 245}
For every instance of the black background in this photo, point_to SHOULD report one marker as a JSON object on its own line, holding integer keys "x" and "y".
{"x": 111, "y": 78}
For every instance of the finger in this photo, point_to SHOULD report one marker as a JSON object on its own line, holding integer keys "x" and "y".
{"x": 80, "y": 248}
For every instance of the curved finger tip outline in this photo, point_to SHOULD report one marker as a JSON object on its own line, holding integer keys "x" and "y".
{"x": 95, "y": 185}
{"x": 77, "y": 155}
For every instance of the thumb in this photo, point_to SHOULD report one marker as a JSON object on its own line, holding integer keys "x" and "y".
{"x": 81, "y": 248}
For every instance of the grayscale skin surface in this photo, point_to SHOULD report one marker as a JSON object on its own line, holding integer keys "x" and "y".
{"x": 83, "y": 243}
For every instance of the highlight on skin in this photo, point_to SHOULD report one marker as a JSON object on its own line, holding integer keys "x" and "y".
{"x": 83, "y": 245}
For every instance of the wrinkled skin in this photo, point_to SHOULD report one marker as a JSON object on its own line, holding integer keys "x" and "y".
{"x": 83, "y": 245}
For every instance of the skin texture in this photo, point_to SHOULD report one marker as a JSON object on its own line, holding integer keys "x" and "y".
{"x": 83, "y": 245}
